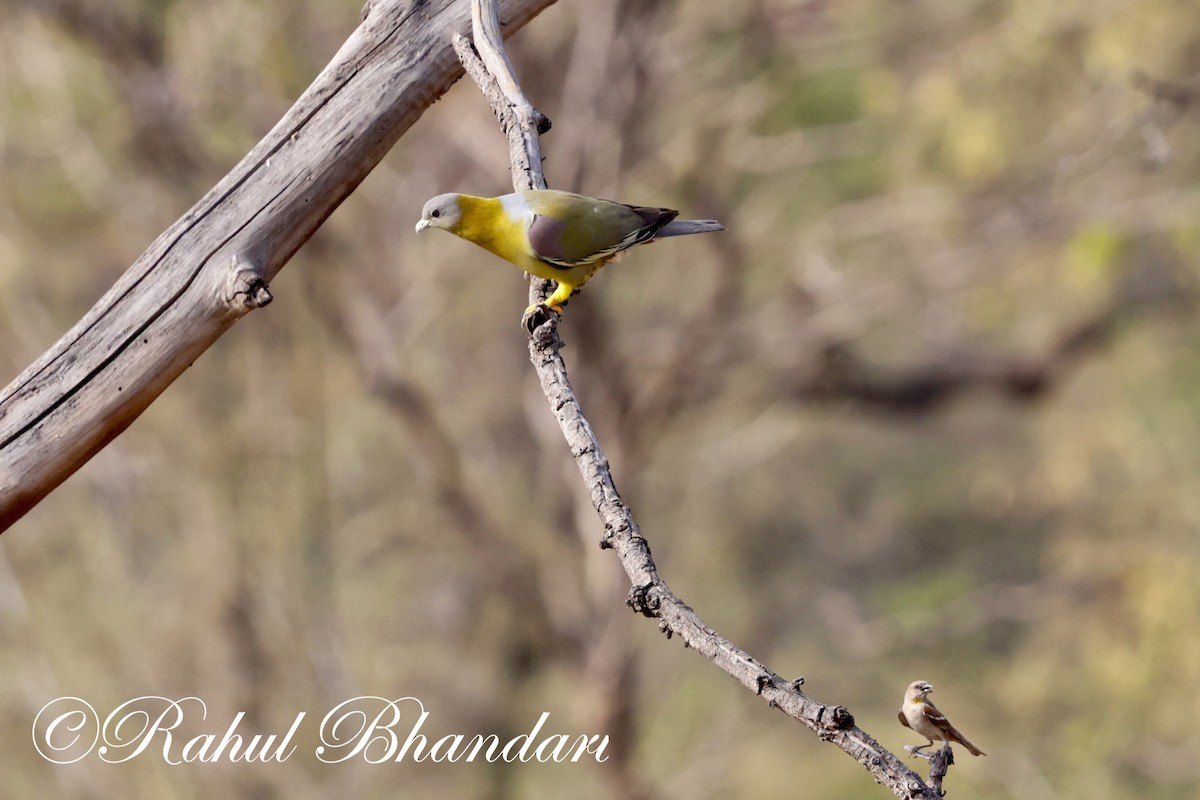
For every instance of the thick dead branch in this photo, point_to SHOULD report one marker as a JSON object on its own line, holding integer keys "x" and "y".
{"x": 650, "y": 595}
{"x": 214, "y": 265}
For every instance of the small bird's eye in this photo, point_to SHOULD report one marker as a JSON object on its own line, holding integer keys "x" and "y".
{"x": 435, "y": 213}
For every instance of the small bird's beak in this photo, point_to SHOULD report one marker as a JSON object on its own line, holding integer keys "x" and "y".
{"x": 422, "y": 225}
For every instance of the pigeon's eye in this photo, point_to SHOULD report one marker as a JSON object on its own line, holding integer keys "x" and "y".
{"x": 435, "y": 213}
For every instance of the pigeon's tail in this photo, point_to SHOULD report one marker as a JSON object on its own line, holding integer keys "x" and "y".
{"x": 683, "y": 227}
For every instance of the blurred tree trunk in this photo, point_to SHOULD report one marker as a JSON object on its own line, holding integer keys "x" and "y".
{"x": 215, "y": 263}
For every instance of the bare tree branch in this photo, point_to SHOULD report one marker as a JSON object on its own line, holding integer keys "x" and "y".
{"x": 650, "y": 595}
{"x": 213, "y": 266}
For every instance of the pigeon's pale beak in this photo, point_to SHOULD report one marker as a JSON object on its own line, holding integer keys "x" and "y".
{"x": 422, "y": 225}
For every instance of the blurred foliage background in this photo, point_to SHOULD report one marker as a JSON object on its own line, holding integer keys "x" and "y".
{"x": 928, "y": 409}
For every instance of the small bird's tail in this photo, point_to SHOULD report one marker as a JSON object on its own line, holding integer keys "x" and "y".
{"x": 683, "y": 227}
{"x": 975, "y": 751}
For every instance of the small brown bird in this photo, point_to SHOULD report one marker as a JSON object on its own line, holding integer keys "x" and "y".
{"x": 924, "y": 718}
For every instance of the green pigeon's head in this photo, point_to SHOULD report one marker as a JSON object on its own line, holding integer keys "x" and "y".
{"x": 442, "y": 211}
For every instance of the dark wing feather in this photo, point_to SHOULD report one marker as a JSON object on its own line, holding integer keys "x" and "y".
{"x": 546, "y": 239}
{"x": 933, "y": 715}
{"x": 633, "y": 226}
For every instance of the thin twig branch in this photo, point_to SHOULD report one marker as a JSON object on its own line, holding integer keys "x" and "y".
{"x": 650, "y": 595}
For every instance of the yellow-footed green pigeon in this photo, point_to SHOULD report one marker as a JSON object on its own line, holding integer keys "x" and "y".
{"x": 560, "y": 236}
